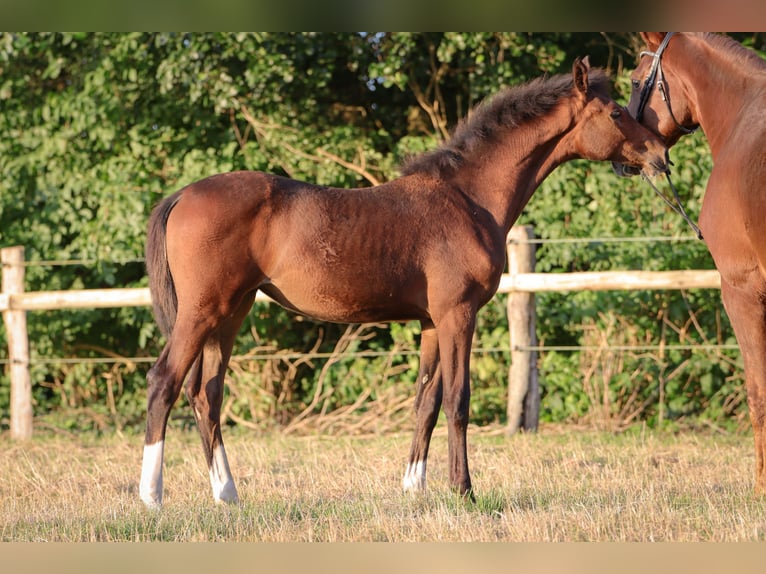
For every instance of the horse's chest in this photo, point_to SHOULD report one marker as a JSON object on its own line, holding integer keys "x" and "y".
{"x": 473, "y": 271}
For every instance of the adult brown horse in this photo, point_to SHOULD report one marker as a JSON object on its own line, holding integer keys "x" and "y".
{"x": 685, "y": 81}
{"x": 428, "y": 246}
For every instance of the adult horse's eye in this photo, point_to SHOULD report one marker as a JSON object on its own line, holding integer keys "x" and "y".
{"x": 616, "y": 114}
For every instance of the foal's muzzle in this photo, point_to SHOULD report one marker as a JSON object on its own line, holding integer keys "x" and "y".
{"x": 656, "y": 166}
{"x": 625, "y": 170}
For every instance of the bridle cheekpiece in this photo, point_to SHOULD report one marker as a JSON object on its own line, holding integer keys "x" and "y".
{"x": 655, "y": 77}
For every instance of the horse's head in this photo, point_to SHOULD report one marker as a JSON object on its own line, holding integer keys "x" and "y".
{"x": 658, "y": 99}
{"x": 606, "y": 131}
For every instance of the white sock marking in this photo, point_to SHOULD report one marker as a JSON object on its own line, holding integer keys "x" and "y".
{"x": 220, "y": 477}
{"x": 150, "y": 487}
{"x": 415, "y": 477}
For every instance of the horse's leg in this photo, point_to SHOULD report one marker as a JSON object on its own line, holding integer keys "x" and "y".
{"x": 427, "y": 403}
{"x": 204, "y": 390}
{"x": 164, "y": 380}
{"x": 747, "y": 311}
{"x": 455, "y": 331}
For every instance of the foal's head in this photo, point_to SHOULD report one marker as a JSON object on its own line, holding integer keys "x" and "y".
{"x": 604, "y": 130}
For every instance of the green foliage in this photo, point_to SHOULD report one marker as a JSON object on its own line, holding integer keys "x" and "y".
{"x": 98, "y": 127}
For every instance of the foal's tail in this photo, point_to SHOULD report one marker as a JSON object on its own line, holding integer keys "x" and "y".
{"x": 164, "y": 300}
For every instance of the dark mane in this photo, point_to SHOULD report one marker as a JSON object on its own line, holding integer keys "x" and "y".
{"x": 736, "y": 50}
{"x": 508, "y": 109}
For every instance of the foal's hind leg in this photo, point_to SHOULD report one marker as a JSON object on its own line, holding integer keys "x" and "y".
{"x": 165, "y": 379}
{"x": 204, "y": 390}
{"x": 427, "y": 404}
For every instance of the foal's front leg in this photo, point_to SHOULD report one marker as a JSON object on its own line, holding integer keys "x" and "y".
{"x": 455, "y": 332}
{"x": 427, "y": 403}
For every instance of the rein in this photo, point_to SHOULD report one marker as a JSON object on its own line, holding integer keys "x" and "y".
{"x": 678, "y": 207}
{"x": 656, "y": 77}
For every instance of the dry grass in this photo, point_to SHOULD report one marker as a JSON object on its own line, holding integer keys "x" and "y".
{"x": 558, "y": 485}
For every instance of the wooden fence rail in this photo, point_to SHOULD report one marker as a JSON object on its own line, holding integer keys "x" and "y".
{"x": 521, "y": 283}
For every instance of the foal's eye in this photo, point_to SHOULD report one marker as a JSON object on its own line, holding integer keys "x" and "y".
{"x": 615, "y": 114}
{"x": 636, "y": 84}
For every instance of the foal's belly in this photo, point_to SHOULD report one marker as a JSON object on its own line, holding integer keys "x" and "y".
{"x": 360, "y": 300}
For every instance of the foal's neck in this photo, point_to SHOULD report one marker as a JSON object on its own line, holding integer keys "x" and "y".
{"x": 503, "y": 177}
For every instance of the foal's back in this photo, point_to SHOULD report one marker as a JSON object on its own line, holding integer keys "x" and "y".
{"x": 346, "y": 255}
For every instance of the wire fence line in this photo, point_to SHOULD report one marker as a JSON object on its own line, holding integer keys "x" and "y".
{"x": 285, "y": 355}
{"x": 572, "y": 240}
{"x": 293, "y": 356}
{"x": 530, "y": 241}
{"x": 80, "y": 262}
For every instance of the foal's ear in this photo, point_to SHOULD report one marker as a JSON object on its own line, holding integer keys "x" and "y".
{"x": 580, "y": 70}
{"x": 652, "y": 39}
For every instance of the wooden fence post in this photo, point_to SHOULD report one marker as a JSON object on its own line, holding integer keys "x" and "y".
{"x": 18, "y": 345}
{"x": 523, "y": 386}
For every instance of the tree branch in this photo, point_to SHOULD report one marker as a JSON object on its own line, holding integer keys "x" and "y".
{"x": 263, "y": 129}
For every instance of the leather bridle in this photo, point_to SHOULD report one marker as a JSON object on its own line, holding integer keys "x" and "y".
{"x": 655, "y": 77}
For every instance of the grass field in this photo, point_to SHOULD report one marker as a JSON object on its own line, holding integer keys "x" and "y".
{"x": 558, "y": 485}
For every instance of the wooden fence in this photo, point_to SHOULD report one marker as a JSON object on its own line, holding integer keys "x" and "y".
{"x": 521, "y": 283}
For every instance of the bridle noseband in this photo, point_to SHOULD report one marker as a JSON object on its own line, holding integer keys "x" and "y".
{"x": 656, "y": 77}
